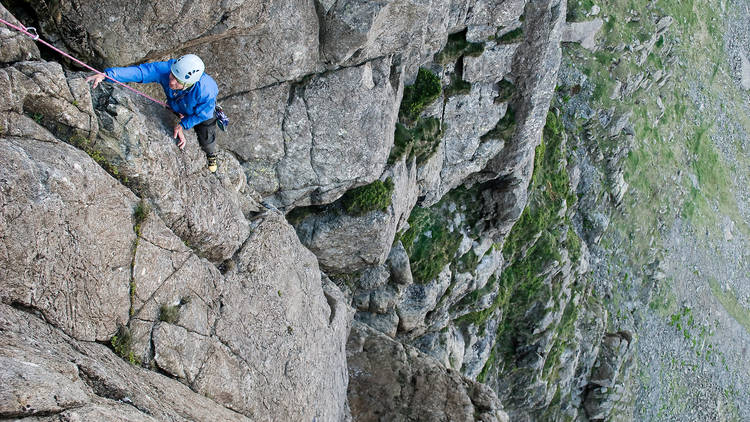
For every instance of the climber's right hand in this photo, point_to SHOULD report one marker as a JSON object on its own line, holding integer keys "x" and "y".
{"x": 96, "y": 78}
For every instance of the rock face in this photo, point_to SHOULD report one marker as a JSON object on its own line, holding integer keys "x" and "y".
{"x": 390, "y": 381}
{"x": 111, "y": 234}
{"x": 86, "y": 260}
{"x": 78, "y": 242}
{"x": 205, "y": 211}
{"x": 296, "y": 155}
{"x": 48, "y": 374}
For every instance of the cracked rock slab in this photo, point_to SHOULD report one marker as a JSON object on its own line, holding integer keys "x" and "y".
{"x": 67, "y": 233}
{"x": 49, "y": 372}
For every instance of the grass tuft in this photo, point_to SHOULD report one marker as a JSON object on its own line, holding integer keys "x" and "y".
{"x": 373, "y": 197}
{"x": 417, "y": 97}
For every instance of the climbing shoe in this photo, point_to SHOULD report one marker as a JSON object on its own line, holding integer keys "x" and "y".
{"x": 212, "y": 166}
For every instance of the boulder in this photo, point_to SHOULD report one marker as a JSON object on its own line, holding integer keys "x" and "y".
{"x": 391, "y": 381}
{"x": 582, "y": 32}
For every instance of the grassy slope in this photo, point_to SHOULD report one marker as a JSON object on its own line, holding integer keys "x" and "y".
{"x": 675, "y": 170}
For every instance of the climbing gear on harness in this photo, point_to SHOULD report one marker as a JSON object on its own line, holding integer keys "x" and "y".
{"x": 31, "y": 32}
{"x": 221, "y": 118}
{"x": 188, "y": 69}
{"x": 212, "y": 165}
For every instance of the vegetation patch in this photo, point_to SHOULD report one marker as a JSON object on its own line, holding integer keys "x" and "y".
{"x": 456, "y": 47}
{"x": 458, "y": 85}
{"x": 505, "y": 91}
{"x": 504, "y": 128}
{"x": 433, "y": 238}
{"x": 169, "y": 313}
{"x": 421, "y": 141}
{"x": 417, "y": 97}
{"x": 89, "y": 148}
{"x": 122, "y": 343}
{"x": 511, "y": 37}
{"x": 140, "y": 214}
{"x": 578, "y": 10}
{"x": 373, "y": 197}
{"x": 430, "y": 243}
{"x": 729, "y": 301}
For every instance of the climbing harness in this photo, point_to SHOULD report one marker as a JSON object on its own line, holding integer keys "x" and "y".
{"x": 31, "y": 32}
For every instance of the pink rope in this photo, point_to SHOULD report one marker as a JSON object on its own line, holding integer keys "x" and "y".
{"x": 35, "y": 37}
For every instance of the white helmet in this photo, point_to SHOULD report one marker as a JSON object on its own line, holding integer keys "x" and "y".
{"x": 188, "y": 69}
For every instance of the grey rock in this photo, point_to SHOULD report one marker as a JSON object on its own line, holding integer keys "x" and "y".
{"x": 167, "y": 273}
{"x": 582, "y": 32}
{"x": 419, "y": 299}
{"x": 398, "y": 263}
{"x": 135, "y": 137}
{"x": 324, "y": 157}
{"x": 68, "y": 237}
{"x": 348, "y": 243}
{"x": 354, "y": 31}
{"x": 374, "y": 277}
{"x": 497, "y": 13}
{"x": 491, "y": 66}
{"x": 606, "y": 383}
{"x": 535, "y": 73}
{"x": 744, "y": 72}
{"x": 81, "y": 380}
{"x": 285, "y": 288}
{"x": 257, "y": 133}
{"x": 16, "y": 46}
{"x": 30, "y": 389}
{"x": 395, "y": 382}
{"x": 40, "y": 89}
{"x": 386, "y": 323}
{"x": 270, "y": 41}
{"x": 463, "y": 150}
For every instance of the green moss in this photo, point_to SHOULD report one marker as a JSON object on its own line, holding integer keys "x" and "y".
{"x": 122, "y": 344}
{"x": 420, "y": 142}
{"x": 458, "y": 86}
{"x": 429, "y": 244}
{"x": 89, "y": 148}
{"x": 169, "y": 313}
{"x": 140, "y": 213}
{"x": 468, "y": 262}
{"x": 549, "y": 186}
{"x": 573, "y": 245}
{"x": 504, "y": 128}
{"x": 417, "y": 97}
{"x": 505, "y": 89}
{"x": 511, "y": 37}
{"x": 373, "y": 197}
{"x": 457, "y": 46}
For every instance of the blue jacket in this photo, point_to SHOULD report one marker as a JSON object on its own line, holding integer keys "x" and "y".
{"x": 197, "y": 103}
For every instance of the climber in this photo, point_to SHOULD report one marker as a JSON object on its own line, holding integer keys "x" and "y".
{"x": 190, "y": 93}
